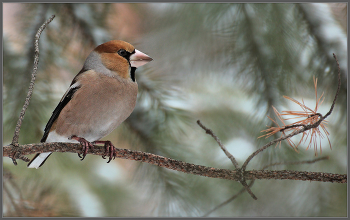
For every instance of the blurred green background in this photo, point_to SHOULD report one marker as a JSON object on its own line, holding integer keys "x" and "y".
{"x": 225, "y": 64}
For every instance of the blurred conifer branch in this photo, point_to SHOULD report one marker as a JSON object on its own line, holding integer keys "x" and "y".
{"x": 30, "y": 199}
{"x": 9, "y": 178}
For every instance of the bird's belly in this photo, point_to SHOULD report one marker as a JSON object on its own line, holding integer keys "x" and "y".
{"x": 96, "y": 119}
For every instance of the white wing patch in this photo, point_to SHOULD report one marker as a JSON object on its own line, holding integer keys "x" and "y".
{"x": 71, "y": 87}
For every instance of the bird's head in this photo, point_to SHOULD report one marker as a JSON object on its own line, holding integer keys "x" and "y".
{"x": 119, "y": 57}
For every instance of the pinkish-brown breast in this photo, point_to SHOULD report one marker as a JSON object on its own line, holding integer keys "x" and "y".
{"x": 100, "y": 105}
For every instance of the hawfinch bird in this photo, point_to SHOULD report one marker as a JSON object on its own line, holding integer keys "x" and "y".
{"x": 101, "y": 96}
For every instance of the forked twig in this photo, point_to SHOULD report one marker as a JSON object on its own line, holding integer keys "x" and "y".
{"x": 231, "y": 157}
{"x": 211, "y": 133}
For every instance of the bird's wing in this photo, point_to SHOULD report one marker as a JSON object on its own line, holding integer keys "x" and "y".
{"x": 64, "y": 101}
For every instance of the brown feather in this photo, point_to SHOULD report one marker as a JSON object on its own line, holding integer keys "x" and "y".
{"x": 98, "y": 107}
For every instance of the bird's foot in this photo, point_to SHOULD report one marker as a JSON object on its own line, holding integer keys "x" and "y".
{"x": 86, "y": 145}
{"x": 109, "y": 149}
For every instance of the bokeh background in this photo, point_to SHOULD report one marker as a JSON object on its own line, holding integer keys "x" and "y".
{"x": 225, "y": 64}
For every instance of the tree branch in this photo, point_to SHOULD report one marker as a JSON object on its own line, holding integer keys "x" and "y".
{"x": 179, "y": 165}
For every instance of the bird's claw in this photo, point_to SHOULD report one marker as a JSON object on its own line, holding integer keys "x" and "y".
{"x": 86, "y": 145}
{"x": 109, "y": 150}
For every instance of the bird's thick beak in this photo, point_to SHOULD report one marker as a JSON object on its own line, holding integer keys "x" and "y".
{"x": 138, "y": 59}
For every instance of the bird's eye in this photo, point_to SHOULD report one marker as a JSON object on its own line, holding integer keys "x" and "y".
{"x": 122, "y": 52}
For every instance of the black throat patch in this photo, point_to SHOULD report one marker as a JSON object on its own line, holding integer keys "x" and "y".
{"x": 132, "y": 73}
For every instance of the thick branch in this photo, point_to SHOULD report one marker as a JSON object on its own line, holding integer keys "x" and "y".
{"x": 179, "y": 165}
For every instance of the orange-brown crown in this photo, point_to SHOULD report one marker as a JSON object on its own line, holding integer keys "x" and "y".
{"x": 114, "y": 46}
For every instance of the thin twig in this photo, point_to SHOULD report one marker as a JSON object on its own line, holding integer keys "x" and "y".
{"x": 247, "y": 188}
{"x": 211, "y": 133}
{"x": 31, "y": 86}
{"x": 229, "y": 200}
{"x": 270, "y": 144}
{"x": 338, "y": 89}
{"x": 296, "y": 162}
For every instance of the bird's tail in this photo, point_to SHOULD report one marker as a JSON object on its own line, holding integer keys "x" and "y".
{"x": 38, "y": 160}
